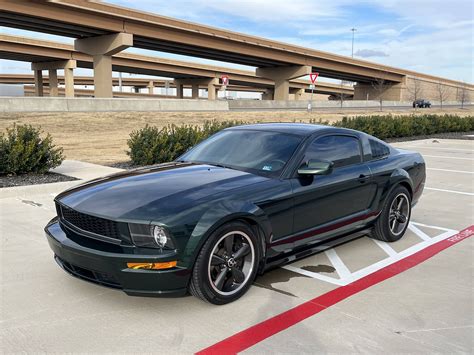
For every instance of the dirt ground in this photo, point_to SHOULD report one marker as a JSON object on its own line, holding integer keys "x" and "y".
{"x": 102, "y": 137}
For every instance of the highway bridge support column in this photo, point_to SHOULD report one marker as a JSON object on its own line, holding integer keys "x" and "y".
{"x": 53, "y": 82}
{"x": 212, "y": 89}
{"x": 38, "y": 83}
{"x": 195, "y": 91}
{"x": 102, "y": 48}
{"x": 179, "y": 89}
{"x": 298, "y": 93}
{"x": 282, "y": 77}
{"x": 151, "y": 87}
{"x": 52, "y": 67}
{"x": 195, "y": 84}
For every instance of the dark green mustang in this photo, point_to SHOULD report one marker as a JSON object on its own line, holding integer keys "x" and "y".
{"x": 245, "y": 200}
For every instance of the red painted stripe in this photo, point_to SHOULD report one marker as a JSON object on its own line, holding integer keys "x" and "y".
{"x": 261, "y": 331}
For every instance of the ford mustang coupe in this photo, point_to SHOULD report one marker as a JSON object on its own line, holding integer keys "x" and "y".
{"x": 247, "y": 199}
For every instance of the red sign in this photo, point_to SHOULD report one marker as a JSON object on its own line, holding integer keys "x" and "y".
{"x": 313, "y": 77}
{"x": 225, "y": 80}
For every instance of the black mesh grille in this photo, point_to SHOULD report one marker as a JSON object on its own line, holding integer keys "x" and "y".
{"x": 91, "y": 224}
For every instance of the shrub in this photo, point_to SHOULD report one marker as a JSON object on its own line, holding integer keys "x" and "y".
{"x": 22, "y": 150}
{"x": 389, "y": 126}
{"x": 151, "y": 145}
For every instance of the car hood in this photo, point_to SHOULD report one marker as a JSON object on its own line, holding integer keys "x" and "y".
{"x": 148, "y": 193}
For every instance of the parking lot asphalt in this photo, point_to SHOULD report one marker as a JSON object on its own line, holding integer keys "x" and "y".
{"x": 362, "y": 296}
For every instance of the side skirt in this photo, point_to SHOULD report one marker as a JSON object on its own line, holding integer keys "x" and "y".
{"x": 307, "y": 250}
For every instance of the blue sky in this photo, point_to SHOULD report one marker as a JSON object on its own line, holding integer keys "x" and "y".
{"x": 430, "y": 36}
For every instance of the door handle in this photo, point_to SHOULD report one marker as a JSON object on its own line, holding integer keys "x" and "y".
{"x": 363, "y": 178}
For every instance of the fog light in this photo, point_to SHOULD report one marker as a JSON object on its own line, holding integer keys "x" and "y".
{"x": 152, "y": 266}
{"x": 159, "y": 235}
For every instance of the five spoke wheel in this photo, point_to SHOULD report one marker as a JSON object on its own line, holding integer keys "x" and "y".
{"x": 231, "y": 262}
{"x": 399, "y": 213}
{"x": 394, "y": 218}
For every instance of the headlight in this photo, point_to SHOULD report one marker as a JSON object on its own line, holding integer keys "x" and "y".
{"x": 150, "y": 236}
{"x": 159, "y": 235}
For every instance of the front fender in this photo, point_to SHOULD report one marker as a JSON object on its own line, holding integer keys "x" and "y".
{"x": 219, "y": 214}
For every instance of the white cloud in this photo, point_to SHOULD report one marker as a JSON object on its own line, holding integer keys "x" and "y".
{"x": 366, "y": 53}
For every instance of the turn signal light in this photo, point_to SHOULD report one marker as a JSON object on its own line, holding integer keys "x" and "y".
{"x": 152, "y": 266}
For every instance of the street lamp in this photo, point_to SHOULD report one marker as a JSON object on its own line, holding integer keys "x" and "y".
{"x": 353, "y": 31}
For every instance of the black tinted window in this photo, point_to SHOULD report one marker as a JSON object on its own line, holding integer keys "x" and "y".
{"x": 379, "y": 150}
{"x": 341, "y": 150}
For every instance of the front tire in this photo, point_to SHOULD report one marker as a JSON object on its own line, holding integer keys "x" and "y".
{"x": 226, "y": 265}
{"x": 393, "y": 221}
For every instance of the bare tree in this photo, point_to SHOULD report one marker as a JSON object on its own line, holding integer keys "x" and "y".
{"x": 463, "y": 94}
{"x": 341, "y": 96}
{"x": 442, "y": 93}
{"x": 380, "y": 85}
{"x": 415, "y": 91}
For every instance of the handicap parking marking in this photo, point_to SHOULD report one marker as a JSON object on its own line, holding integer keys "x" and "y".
{"x": 346, "y": 276}
{"x": 408, "y": 259}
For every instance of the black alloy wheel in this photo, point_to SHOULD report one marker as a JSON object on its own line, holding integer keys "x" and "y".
{"x": 226, "y": 265}
{"x": 394, "y": 219}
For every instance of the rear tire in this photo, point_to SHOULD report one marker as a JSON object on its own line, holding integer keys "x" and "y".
{"x": 393, "y": 221}
{"x": 226, "y": 265}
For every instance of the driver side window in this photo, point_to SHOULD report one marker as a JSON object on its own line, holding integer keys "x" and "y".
{"x": 341, "y": 150}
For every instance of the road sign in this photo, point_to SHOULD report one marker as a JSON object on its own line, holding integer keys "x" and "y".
{"x": 313, "y": 77}
{"x": 225, "y": 80}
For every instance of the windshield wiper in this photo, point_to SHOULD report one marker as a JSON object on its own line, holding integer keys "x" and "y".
{"x": 219, "y": 165}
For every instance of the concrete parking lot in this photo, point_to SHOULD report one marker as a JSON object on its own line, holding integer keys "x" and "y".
{"x": 415, "y": 295}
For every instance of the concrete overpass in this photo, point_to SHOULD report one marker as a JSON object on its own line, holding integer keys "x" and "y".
{"x": 43, "y": 54}
{"x": 149, "y": 83}
{"x": 136, "y": 83}
{"x": 103, "y": 30}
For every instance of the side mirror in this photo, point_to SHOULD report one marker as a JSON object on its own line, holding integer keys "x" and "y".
{"x": 315, "y": 167}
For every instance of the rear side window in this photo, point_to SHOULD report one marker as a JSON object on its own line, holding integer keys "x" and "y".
{"x": 379, "y": 150}
{"x": 341, "y": 150}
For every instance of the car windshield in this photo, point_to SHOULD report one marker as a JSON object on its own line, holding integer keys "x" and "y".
{"x": 255, "y": 151}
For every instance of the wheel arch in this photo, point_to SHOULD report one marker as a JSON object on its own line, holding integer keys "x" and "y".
{"x": 222, "y": 214}
{"x": 399, "y": 177}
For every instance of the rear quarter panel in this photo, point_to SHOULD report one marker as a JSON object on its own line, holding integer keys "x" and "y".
{"x": 400, "y": 167}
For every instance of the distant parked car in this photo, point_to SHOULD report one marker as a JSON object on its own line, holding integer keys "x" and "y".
{"x": 421, "y": 103}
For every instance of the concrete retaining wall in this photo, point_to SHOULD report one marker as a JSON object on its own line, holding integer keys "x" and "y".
{"x": 244, "y": 105}
{"x": 61, "y": 104}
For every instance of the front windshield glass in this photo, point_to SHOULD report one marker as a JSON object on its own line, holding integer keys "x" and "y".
{"x": 255, "y": 151}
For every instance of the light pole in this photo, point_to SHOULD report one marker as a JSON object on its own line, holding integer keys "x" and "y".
{"x": 353, "y": 31}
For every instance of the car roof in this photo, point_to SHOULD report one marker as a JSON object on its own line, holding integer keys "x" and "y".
{"x": 301, "y": 129}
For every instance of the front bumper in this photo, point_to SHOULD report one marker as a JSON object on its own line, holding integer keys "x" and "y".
{"x": 110, "y": 269}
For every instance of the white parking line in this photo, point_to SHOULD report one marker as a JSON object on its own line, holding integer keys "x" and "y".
{"x": 436, "y": 148}
{"x": 450, "y": 191}
{"x": 418, "y": 232}
{"x": 452, "y": 171}
{"x": 336, "y": 261}
{"x": 314, "y": 275}
{"x": 346, "y": 277}
{"x": 385, "y": 247}
{"x": 445, "y": 157}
